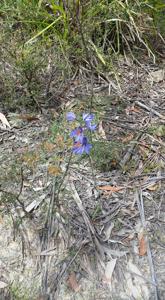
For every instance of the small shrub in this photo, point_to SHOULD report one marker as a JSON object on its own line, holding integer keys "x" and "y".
{"x": 45, "y": 42}
{"x": 106, "y": 155}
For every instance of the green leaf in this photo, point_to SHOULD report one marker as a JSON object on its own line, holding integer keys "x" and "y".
{"x": 42, "y": 31}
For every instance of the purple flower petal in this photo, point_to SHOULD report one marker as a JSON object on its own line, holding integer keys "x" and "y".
{"x": 90, "y": 126}
{"x": 88, "y": 117}
{"x": 88, "y": 148}
{"x": 78, "y": 150}
{"x": 70, "y": 116}
{"x": 81, "y": 147}
{"x": 77, "y": 134}
{"x": 84, "y": 141}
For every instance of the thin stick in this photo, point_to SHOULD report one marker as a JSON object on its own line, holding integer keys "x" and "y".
{"x": 140, "y": 204}
{"x": 150, "y": 109}
{"x": 65, "y": 173}
{"x": 129, "y": 153}
{"x": 89, "y": 226}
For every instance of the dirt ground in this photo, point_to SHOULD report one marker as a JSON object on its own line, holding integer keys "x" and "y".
{"x": 96, "y": 233}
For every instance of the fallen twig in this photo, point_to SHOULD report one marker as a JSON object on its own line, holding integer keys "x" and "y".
{"x": 129, "y": 153}
{"x": 140, "y": 203}
{"x": 89, "y": 226}
{"x": 140, "y": 104}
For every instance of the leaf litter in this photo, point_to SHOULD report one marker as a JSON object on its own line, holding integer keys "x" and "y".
{"x": 99, "y": 238}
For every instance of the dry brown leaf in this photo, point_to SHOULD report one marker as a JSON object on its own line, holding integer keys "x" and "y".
{"x": 48, "y": 146}
{"x": 135, "y": 109}
{"x": 143, "y": 150}
{"x": 59, "y": 141}
{"x": 76, "y": 82}
{"x": 72, "y": 282}
{"x": 153, "y": 187}
{"x": 109, "y": 270}
{"x": 132, "y": 109}
{"x": 4, "y": 121}
{"x": 129, "y": 238}
{"x": 28, "y": 118}
{"x": 101, "y": 131}
{"x": 142, "y": 245}
{"x": 54, "y": 170}
{"x": 31, "y": 158}
{"x": 110, "y": 188}
{"x": 128, "y": 138}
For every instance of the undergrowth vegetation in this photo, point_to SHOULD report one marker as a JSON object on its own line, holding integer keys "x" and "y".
{"x": 46, "y": 44}
{"x": 93, "y": 146}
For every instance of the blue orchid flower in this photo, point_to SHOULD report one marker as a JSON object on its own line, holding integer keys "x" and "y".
{"x": 77, "y": 134}
{"x": 81, "y": 144}
{"x": 70, "y": 116}
{"x": 82, "y": 147}
{"x": 90, "y": 126}
{"x": 88, "y": 118}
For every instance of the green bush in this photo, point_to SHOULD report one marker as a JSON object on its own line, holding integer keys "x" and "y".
{"x": 45, "y": 42}
{"x": 106, "y": 155}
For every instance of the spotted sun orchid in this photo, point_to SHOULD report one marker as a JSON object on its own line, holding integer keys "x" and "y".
{"x": 82, "y": 147}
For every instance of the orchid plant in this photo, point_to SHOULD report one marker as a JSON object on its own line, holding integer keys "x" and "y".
{"x": 80, "y": 141}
